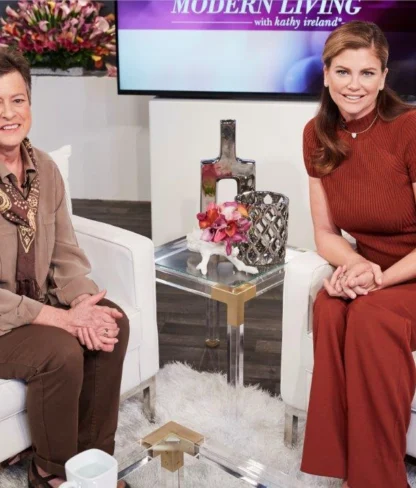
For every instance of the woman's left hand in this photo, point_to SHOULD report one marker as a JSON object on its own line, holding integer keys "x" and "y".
{"x": 102, "y": 339}
{"x": 338, "y": 285}
{"x": 359, "y": 279}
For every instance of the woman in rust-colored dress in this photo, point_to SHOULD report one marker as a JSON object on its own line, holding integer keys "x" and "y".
{"x": 360, "y": 154}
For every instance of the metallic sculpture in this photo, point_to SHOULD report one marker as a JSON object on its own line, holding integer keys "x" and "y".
{"x": 226, "y": 166}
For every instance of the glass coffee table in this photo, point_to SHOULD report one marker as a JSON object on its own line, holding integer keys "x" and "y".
{"x": 174, "y": 456}
{"x": 176, "y": 266}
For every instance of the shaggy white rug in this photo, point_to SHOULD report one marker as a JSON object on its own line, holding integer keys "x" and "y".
{"x": 246, "y": 419}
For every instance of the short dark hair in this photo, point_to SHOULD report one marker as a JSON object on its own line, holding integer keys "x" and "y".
{"x": 12, "y": 60}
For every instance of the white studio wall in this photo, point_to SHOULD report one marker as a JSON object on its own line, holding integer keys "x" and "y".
{"x": 109, "y": 135}
{"x": 119, "y": 154}
{"x": 182, "y": 132}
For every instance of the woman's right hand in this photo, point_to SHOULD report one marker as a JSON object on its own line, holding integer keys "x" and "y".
{"x": 337, "y": 287}
{"x": 357, "y": 279}
{"x": 90, "y": 315}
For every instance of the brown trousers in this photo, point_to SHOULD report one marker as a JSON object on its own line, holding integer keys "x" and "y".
{"x": 72, "y": 394}
{"x": 363, "y": 383}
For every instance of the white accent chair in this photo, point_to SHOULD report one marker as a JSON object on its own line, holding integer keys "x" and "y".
{"x": 123, "y": 263}
{"x": 304, "y": 277}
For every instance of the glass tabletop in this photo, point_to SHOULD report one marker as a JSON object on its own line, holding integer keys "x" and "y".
{"x": 177, "y": 266}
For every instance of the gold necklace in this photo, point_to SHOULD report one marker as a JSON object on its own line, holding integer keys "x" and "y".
{"x": 355, "y": 134}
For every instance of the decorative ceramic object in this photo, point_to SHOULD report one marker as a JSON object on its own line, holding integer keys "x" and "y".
{"x": 267, "y": 237}
{"x": 208, "y": 249}
{"x": 226, "y": 166}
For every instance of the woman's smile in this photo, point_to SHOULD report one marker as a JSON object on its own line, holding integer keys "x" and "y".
{"x": 10, "y": 128}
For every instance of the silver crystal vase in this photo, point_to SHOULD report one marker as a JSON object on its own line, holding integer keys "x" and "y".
{"x": 267, "y": 237}
{"x": 226, "y": 166}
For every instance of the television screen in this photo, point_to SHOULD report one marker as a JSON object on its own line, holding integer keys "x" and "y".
{"x": 254, "y": 48}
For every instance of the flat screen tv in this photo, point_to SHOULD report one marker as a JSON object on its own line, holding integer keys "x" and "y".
{"x": 249, "y": 48}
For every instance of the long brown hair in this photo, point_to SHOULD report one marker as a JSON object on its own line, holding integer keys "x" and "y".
{"x": 352, "y": 35}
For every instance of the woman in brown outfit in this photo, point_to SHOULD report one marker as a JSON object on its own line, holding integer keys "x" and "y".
{"x": 360, "y": 154}
{"x": 57, "y": 332}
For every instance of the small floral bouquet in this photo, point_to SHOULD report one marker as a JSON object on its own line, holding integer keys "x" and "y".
{"x": 227, "y": 222}
{"x": 60, "y": 34}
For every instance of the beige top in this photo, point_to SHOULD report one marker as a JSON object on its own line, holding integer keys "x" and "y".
{"x": 61, "y": 266}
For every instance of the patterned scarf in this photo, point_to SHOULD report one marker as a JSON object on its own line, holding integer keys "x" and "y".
{"x": 22, "y": 211}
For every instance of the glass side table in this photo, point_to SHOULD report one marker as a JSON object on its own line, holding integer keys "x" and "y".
{"x": 176, "y": 267}
{"x": 173, "y": 456}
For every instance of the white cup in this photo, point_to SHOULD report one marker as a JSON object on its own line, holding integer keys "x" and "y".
{"x": 91, "y": 469}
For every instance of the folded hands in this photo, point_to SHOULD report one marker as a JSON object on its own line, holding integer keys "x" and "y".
{"x": 95, "y": 326}
{"x": 351, "y": 280}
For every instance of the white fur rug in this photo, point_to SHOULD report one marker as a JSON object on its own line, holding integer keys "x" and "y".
{"x": 245, "y": 419}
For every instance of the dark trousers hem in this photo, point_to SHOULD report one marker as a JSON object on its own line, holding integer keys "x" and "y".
{"x": 50, "y": 467}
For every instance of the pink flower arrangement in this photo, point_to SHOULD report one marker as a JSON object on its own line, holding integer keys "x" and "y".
{"x": 60, "y": 34}
{"x": 227, "y": 222}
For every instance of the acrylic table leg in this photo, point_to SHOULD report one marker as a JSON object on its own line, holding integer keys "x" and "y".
{"x": 235, "y": 299}
{"x": 235, "y": 354}
{"x": 175, "y": 479}
{"x": 213, "y": 324}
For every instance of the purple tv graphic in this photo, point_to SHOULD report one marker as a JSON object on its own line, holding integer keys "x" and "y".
{"x": 263, "y": 14}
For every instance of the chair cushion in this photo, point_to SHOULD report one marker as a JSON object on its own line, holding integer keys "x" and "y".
{"x": 61, "y": 158}
{"x": 13, "y": 398}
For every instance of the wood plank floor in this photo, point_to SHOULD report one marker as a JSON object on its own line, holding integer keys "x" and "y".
{"x": 181, "y": 316}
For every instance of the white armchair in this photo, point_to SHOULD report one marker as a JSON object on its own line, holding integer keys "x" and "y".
{"x": 123, "y": 263}
{"x": 304, "y": 277}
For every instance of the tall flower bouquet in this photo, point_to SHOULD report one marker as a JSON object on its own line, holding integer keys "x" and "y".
{"x": 227, "y": 222}
{"x": 61, "y": 34}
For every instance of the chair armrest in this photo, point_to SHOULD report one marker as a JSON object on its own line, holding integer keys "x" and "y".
{"x": 122, "y": 262}
{"x": 304, "y": 276}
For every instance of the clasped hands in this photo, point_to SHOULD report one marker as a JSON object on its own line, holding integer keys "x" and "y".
{"x": 354, "y": 279}
{"x": 93, "y": 325}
